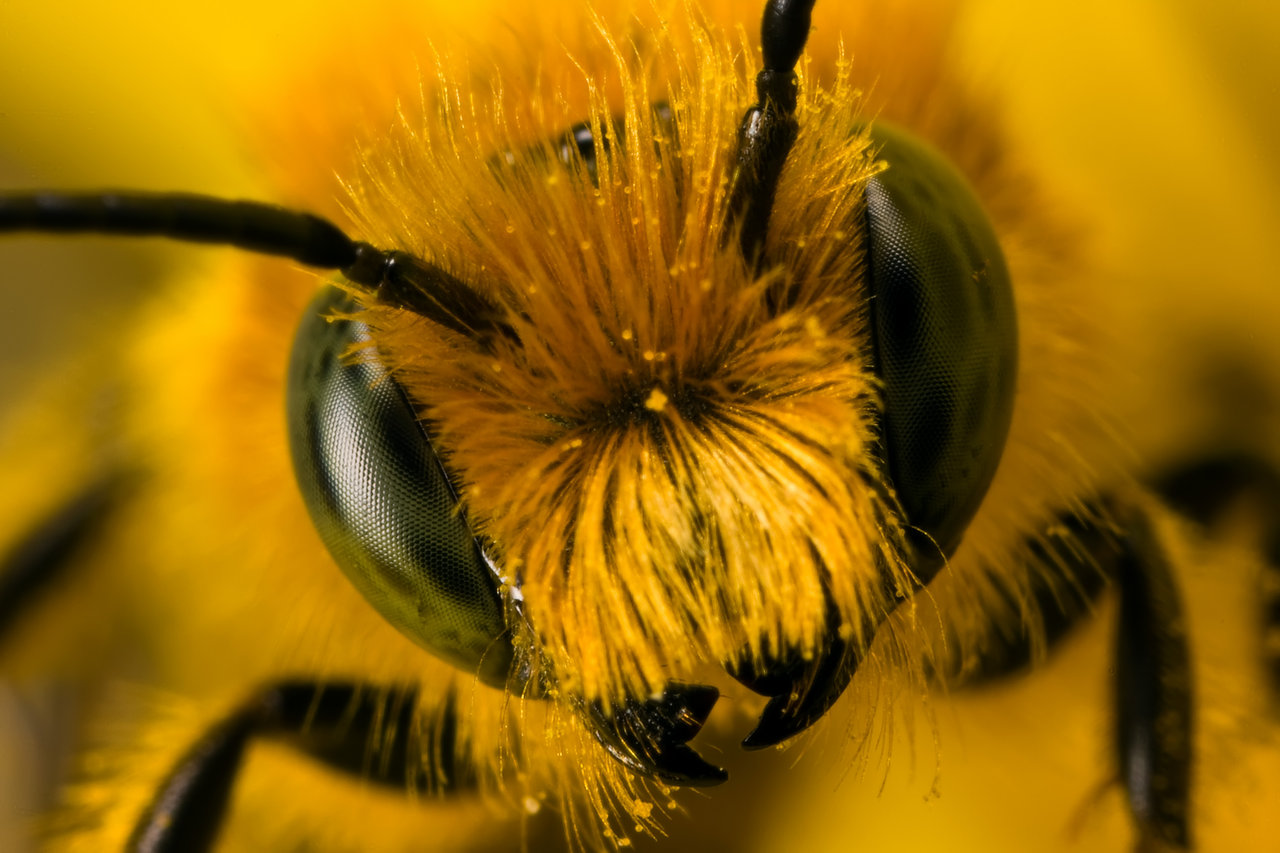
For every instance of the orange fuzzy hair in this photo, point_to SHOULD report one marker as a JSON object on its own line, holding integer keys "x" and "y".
{"x": 674, "y": 473}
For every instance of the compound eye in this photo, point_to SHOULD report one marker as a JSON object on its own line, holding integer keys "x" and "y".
{"x": 381, "y": 500}
{"x": 946, "y": 340}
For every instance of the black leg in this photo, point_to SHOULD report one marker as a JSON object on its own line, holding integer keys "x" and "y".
{"x": 1153, "y": 688}
{"x": 1205, "y": 490}
{"x": 188, "y": 809}
{"x": 1069, "y": 576}
{"x": 39, "y": 558}
{"x": 360, "y": 729}
{"x": 1153, "y": 712}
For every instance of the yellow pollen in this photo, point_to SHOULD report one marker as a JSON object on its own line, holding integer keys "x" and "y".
{"x": 657, "y": 401}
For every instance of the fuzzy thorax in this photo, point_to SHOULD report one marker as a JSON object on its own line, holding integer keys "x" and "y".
{"x": 673, "y": 454}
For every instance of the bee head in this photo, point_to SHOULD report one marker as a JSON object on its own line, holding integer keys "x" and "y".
{"x": 670, "y": 444}
{"x": 673, "y": 440}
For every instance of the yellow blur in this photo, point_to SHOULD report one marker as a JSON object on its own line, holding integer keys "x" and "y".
{"x": 1157, "y": 118}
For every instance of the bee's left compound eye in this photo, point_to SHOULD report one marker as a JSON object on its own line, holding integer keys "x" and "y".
{"x": 946, "y": 341}
{"x": 382, "y": 502}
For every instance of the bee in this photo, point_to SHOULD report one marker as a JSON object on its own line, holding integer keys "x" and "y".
{"x": 636, "y": 404}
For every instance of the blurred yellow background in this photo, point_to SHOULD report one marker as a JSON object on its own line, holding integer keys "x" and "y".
{"x": 1159, "y": 119}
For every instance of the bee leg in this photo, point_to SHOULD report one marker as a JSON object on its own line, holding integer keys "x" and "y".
{"x": 1153, "y": 687}
{"x": 1205, "y": 489}
{"x": 651, "y": 737}
{"x": 39, "y": 558}
{"x": 1069, "y": 574}
{"x": 360, "y": 729}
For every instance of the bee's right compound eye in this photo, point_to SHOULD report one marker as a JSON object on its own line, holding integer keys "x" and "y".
{"x": 946, "y": 341}
{"x": 946, "y": 350}
{"x": 381, "y": 499}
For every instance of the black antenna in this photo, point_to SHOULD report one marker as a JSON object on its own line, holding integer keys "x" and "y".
{"x": 769, "y": 128}
{"x": 393, "y": 278}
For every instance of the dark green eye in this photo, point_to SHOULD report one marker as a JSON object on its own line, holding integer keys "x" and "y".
{"x": 946, "y": 349}
{"x": 946, "y": 340}
{"x": 382, "y": 502}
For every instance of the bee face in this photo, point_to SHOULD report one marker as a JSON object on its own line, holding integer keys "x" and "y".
{"x": 663, "y": 435}
{"x": 646, "y": 380}
{"x": 528, "y": 476}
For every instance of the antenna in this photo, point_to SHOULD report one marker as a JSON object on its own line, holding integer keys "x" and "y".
{"x": 393, "y": 278}
{"x": 769, "y": 128}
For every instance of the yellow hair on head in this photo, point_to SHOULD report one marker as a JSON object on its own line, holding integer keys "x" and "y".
{"x": 674, "y": 460}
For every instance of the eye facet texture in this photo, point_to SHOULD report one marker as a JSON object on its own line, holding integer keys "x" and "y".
{"x": 381, "y": 500}
{"x": 946, "y": 340}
